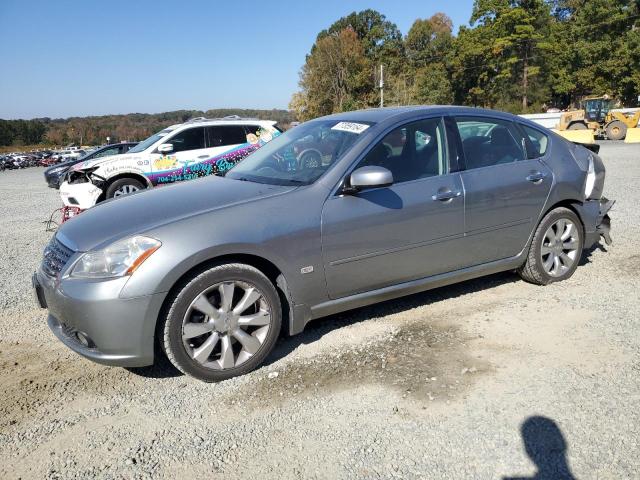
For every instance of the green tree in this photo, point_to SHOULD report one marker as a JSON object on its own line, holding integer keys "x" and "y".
{"x": 382, "y": 43}
{"x": 335, "y": 77}
{"x": 601, "y": 48}
{"x": 428, "y": 46}
{"x": 432, "y": 86}
{"x": 381, "y": 39}
{"x": 512, "y": 49}
{"x": 429, "y": 40}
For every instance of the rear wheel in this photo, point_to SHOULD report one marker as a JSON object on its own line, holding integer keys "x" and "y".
{"x": 556, "y": 248}
{"x": 123, "y": 186}
{"x": 616, "y": 130}
{"x": 222, "y": 323}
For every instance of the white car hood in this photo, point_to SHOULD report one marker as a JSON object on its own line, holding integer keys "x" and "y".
{"x": 105, "y": 161}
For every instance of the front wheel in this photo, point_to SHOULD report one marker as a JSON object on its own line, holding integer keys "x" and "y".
{"x": 222, "y": 323}
{"x": 556, "y": 248}
{"x": 616, "y": 130}
{"x": 123, "y": 186}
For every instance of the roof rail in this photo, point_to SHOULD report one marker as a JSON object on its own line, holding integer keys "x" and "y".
{"x": 228, "y": 117}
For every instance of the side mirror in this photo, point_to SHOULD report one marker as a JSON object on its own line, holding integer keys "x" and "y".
{"x": 165, "y": 148}
{"x": 370, "y": 177}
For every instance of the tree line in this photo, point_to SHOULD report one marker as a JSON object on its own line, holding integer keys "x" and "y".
{"x": 515, "y": 55}
{"x": 21, "y": 132}
{"x": 129, "y": 127}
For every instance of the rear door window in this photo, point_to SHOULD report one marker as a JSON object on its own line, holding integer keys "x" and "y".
{"x": 489, "y": 141}
{"x": 537, "y": 145}
{"x": 226, "y": 135}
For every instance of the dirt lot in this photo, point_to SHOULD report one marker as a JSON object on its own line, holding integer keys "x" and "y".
{"x": 490, "y": 378}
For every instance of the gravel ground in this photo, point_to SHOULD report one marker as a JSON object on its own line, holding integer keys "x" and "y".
{"x": 491, "y": 378}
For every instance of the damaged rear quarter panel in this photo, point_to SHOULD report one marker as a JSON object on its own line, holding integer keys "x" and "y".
{"x": 568, "y": 175}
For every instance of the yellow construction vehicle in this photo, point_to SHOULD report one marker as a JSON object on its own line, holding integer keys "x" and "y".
{"x": 596, "y": 114}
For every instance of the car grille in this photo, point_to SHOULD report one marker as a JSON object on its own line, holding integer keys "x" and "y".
{"x": 56, "y": 256}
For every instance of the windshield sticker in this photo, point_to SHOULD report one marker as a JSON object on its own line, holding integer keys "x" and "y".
{"x": 351, "y": 127}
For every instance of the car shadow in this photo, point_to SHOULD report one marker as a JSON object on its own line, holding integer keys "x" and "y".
{"x": 588, "y": 252}
{"x": 547, "y": 448}
{"x": 383, "y": 197}
{"x": 316, "y": 329}
{"x": 161, "y": 368}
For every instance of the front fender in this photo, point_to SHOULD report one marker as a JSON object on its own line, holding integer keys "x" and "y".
{"x": 106, "y": 174}
{"x": 162, "y": 272}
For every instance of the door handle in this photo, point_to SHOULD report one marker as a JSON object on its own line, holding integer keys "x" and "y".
{"x": 203, "y": 156}
{"x": 446, "y": 195}
{"x": 536, "y": 177}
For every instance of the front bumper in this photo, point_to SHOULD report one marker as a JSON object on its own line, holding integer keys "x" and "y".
{"x": 82, "y": 195}
{"x": 91, "y": 319}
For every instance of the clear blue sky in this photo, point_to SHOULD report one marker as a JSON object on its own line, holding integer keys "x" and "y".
{"x": 64, "y": 58}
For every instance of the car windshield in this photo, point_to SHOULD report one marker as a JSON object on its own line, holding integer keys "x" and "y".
{"x": 142, "y": 146}
{"x": 301, "y": 155}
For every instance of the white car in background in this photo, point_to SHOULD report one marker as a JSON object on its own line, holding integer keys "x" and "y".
{"x": 193, "y": 149}
{"x": 62, "y": 155}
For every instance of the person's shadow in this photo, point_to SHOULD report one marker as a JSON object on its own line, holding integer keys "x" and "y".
{"x": 547, "y": 448}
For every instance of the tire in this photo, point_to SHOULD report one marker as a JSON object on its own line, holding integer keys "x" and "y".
{"x": 202, "y": 349}
{"x": 616, "y": 130}
{"x": 577, "y": 126}
{"x": 541, "y": 267}
{"x": 124, "y": 186}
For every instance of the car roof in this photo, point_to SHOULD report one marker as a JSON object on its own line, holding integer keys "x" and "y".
{"x": 203, "y": 122}
{"x": 115, "y": 145}
{"x": 378, "y": 115}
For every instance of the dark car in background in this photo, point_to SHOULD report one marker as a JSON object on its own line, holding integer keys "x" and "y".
{"x": 55, "y": 174}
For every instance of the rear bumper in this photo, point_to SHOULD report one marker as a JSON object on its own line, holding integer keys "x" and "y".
{"x": 91, "y": 319}
{"x": 597, "y": 223}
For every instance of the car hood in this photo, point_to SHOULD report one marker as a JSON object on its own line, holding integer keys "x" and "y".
{"x": 96, "y": 162}
{"x": 148, "y": 209}
{"x": 67, "y": 164}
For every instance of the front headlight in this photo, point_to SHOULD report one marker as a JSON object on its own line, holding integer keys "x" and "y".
{"x": 117, "y": 260}
{"x": 591, "y": 178}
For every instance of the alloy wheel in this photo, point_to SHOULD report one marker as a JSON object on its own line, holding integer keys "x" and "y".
{"x": 559, "y": 248}
{"x": 125, "y": 190}
{"x": 226, "y": 324}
